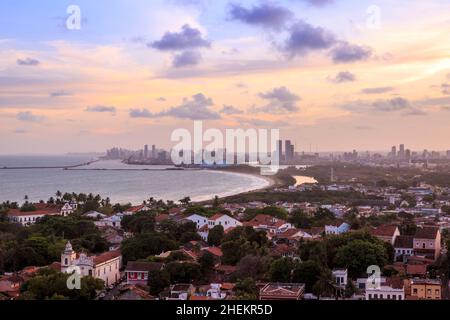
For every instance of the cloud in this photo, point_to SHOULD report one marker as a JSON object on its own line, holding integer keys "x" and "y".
{"x": 28, "y": 62}
{"x": 318, "y": 3}
{"x": 261, "y": 122}
{"x": 281, "y": 101}
{"x": 344, "y": 76}
{"x": 28, "y": 116}
{"x": 101, "y": 109}
{"x": 230, "y": 110}
{"x": 187, "y": 58}
{"x": 398, "y": 104}
{"x": 347, "y": 53}
{"x": 60, "y": 93}
{"x": 445, "y": 88}
{"x": 265, "y": 15}
{"x": 141, "y": 113}
{"x": 304, "y": 38}
{"x": 188, "y": 38}
{"x": 196, "y": 108}
{"x": 377, "y": 90}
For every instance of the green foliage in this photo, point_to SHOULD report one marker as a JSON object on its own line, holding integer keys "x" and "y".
{"x": 280, "y": 270}
{"x": 140, "y": 222}
{"x": 246, "y": 289}
{"x": 206, "y": 262}
{"x": 158, "y": 281}
{"x": 273, "y": 211}
{"x": 146, "y": 244}
{"x": 183, "y": 272}
{"x": 308, "y": 273}
{"x": 242, "y": 241}
{"x": 215, "y": 236}
{"x": 51, "y": 284}
{"x": 358, "y": 255}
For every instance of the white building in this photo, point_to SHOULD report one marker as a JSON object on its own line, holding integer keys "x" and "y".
{"x": 223, "y": 220}
{"x": 389, "y": 290}
{"x": 69, "y": 208}
{"x": 199, "y": 220}
{"x": 337, "y": 229}
{"x": 113, "y": 221}
{"x": 105, "y": 266}
{"x": 29, "y": 218}
{"x": 340, "y": 277}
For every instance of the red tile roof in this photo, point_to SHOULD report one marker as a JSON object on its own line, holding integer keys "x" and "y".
{"x": 426, "y": 232}
{"x": 107, "y": 256}
{"x": 216, "y": 216}
{"x": 18, "y": 213}
{"x": 384, "y": 231}
{"x": 214, "y": 250}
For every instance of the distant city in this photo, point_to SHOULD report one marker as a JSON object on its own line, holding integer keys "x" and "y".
{"x": 399, "y": 156}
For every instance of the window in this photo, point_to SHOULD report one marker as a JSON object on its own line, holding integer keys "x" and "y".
{"x": 370, "y": 297}
{"x": 389, "y": 297}
{"x": 415, "y": 291}
{"x": 66, "y": 261}
{"x": 437, "y": 292}
{"x": 375, "y": 296}
{"x": 423, "y": 246}
{"x": 394, "y": 297}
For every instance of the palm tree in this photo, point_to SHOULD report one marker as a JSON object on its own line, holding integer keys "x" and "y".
{"x": 325, "y": 287}
{"x": 185, "y": 201}
{"x": 58, "y": 194}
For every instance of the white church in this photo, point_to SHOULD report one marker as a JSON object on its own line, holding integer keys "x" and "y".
{"x": 105, "y": 266}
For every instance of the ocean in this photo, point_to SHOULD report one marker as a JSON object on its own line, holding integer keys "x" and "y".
{"x": 120, "y": 186}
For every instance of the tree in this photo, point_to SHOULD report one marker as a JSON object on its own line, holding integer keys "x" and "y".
{"x": 358, "y": 255}
{"x": 280, "y": 270}
{"x": 216, "y": 202}
{"x": 157, "y": 281}
{"x": 183, "y": 272}
{"x": 300, "y": 219}
{"x": 143, "y": 245}
{"x": 308, "y": 273}
{"x": 185, "y": 201}
{"x": 250, "y": 266}
{"x": 215, "y": 236}
{"x": 246, "y": 289}
{"x": 324, "y": 286}
{"x": 206, "y": 262}
{"x": 350, "y": 289}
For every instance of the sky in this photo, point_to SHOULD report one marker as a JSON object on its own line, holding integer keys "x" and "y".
{"x": 332, "y": 75}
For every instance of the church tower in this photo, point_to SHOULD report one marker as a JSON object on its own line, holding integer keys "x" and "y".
{"x": 67, "y": 257}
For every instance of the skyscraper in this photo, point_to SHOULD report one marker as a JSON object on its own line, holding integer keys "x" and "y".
{"x": 288, "y": 150}
{"x": 153, "y": 152}
{"x": 401, "y": 152}
{"x": 280, "y": 149}
{"x": 146, "y": 151}
{"x": 394, "y": 152}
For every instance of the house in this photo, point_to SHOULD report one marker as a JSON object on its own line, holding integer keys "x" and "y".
{"x": 181, "y": 291}
{"x": 340, "y": 277}
{"x": 282, "y": 291}
{"x": 137, "y": 209}
{"x": 31, "y": 217}
{"x": 223, "y": 220}
{"x": 386, "y": 233}
{"x": 269, "y": 224}
{"x": 427, "y": 242}
{"x": 199, "y": 220}
{"x": 338, "y": 228}
{"x": 113, "y": 221}
{"x": 403, "y": 247}
{"x": 390, "y": 289}
{"x": 134, "y": 293}
{"x": 293, "y": 236}
{"x": 95, "y": 215}
{"x": 426, "y": 289}
{"x": 68, "y": 208}
{"x": 105, "y": 266}
{"x": 138, "y": 272}
{"x": 213, "y": 291}
{"x": 10, "y": 285}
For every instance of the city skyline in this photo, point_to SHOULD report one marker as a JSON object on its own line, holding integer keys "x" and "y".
{"x": 339, "y": 76}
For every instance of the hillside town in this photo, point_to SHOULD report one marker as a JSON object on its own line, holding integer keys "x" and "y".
{"x": 345, "y": 241}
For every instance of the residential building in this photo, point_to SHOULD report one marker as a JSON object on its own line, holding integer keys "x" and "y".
{"x": 391, "y": 289}
{"x": 427, "y": 242}
{"x": 138, "y": 272}
{"x": 340, "y": 277}
{"x": 426, "y": 289}
{"x": 105, "y": 266}
{"x": 338, "y": 228}
{"x": 29, "y": 218}
{"x": 270, "y": 224}
{"x": 404, "y": 247}
{"x": 282, "y": 291}
{"x": 223, "y": 220}
{"x": 199, "y": 220}
{"x": 181, "y": 291}
{"x": 386, "y": 233}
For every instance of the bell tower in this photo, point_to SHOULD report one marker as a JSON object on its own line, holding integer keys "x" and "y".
{"x": 67, "y": 257}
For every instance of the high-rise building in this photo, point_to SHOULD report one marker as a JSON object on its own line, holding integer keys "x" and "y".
{"x": 289, "y": 150}
{"x": 280, "y": 149}
{"x": 153, "y": 152}
{"x": 146, "y": 151}
{"x": 401, "y": 152}
{"x": 394, "y": 152}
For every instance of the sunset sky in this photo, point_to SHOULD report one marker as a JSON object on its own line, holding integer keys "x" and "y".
{"x": 328, "y": 73}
